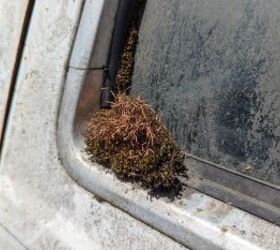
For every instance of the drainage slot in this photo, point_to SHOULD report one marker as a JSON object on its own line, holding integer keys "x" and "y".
{"x": 121, "y": 58}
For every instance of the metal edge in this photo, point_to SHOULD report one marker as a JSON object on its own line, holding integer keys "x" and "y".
{"x": 239, "y": 191}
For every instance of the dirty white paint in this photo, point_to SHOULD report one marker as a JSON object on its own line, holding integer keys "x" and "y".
{"x": 11, "y": 20}
{"x": 8, "y": 242}
{"x": 39, "y": 203}
{"x": 97, "y": 25}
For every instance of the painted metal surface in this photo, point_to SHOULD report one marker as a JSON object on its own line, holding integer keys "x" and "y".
{"x": 94, "y": 28}
{"x": 39, "y": 203}
{"x": 11, "y": 21}
{"x": 197, "y": 221}
{"x": 8, "y": 241}
{"x": 211, "y": 69}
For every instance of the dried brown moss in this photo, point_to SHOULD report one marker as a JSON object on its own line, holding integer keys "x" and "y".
{"x": 133, "y": 142}
{"x": 124, "y": 75}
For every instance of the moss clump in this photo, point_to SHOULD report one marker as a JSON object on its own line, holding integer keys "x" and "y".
{"x": 131, "y": 140}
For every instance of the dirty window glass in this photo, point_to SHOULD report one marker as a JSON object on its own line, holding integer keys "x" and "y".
{"x": 211, "y": 68}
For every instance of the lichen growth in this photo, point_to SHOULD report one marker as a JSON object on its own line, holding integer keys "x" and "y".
{"x": 130, "y": 139}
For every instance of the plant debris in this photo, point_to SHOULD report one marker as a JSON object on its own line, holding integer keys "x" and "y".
{"x": 123, "y": 78}
{"x": 124, "y": 75}
{"x": 130, "y": 139}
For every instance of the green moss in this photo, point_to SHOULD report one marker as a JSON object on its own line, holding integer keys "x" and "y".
{"x": 132, "y": 141}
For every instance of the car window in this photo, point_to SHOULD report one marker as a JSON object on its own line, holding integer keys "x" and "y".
{"x": 210, "y": 68}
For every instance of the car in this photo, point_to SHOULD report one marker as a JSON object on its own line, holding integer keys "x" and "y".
{"x": 198, "y": 64}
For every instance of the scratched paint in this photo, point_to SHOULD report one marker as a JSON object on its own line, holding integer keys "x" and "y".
{"x": 211, "y": 68}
